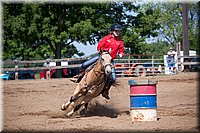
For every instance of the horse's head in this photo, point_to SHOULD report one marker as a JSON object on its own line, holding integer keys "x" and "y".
{"x": 106, "y": 62}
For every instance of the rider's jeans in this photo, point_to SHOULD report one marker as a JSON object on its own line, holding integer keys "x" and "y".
{"x": 113, "y": 74}
{"x": 92, "y": 60}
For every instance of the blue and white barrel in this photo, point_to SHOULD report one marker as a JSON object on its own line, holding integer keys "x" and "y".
{"x": 143, "y": 101}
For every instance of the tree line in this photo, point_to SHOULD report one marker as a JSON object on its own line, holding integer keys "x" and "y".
{"x": 48, "y": 30}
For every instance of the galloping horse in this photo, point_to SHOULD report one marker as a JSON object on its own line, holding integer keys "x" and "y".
{"x": 91, "y": 85}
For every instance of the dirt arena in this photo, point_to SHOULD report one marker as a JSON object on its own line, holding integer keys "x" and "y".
{"x": 34, "y": 105}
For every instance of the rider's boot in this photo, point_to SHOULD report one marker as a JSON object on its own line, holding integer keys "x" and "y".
{"x": 105, "y": 91}
{"x": 78, "y": 76}
{"x": 106, "y": 94}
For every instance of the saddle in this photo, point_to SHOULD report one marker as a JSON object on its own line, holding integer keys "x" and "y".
{"x": 81, "y": 75}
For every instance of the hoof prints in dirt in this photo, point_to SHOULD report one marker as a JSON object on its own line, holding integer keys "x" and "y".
{"x": 102, "y": 110}
{"x": 93, "y": 110}
{"x": 47, "y": 113}
{"x": 179, "y": 110}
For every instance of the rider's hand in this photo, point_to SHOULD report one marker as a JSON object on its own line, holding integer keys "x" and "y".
{"x": 120, "y": 55}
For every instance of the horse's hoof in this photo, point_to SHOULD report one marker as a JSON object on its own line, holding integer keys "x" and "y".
{"x": 70, "y": 114}
{"x": 63, "y": 108}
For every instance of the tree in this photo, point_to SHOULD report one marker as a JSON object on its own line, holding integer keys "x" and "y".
{"x": 143, "y": 24}
{"x": 158, "y": 47}
{"x": 49, "y": 30}
{"x": 19, "y": 31}
{"x": 171, "y": 23}
{"x": 193, "y": 26}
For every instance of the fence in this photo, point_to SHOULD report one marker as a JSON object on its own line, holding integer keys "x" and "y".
{"x": 129, "y": 65}
{"x": 39, "y": 65}
{"x": 150, "y": 65}
{"x": 192, "y": 61}
{"x": 139, "y": 65}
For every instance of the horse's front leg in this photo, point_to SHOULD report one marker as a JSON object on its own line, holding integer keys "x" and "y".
{"x": 77, "y": 107}
{"x": 78, "y": 92}
{"x": 84, "y": 102}
{"x": 66, "y": 105}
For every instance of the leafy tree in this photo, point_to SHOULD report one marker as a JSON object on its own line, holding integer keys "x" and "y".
{"x": 49, "y": 30}
{"x": 143, "y": 24}
{"x": 171, "y": 23}
{"x": 35, "y": 30}
{"x": 19, "y": 31}
{"x": 193, "y": 26}
{"x": 158, "y": 47}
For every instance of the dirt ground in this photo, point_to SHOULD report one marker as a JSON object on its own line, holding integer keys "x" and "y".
{"x": 34, "y": 105}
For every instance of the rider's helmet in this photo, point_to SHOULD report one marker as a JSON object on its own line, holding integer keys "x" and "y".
{"x": 116, "y": 27}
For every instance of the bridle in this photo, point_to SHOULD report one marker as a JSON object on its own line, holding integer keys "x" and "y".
{"x": 102, "y": 64}
{"x": 101, "y": 59}
{"x": 102, "y": 71}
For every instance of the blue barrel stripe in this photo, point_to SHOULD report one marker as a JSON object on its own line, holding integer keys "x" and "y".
{"x": 145, "y": 101}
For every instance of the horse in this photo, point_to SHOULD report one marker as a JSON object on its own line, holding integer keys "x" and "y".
{"x": 90, "y": 86}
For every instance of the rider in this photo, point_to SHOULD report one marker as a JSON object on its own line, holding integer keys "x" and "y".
{"x": 111, "y": 42}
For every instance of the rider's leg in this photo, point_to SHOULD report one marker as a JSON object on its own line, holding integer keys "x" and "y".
{"x": 83, "y": 68}
{"x": 110, "y": 81}
{"x": 90, "y": 61}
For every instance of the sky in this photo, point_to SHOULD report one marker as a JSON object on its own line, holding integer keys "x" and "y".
{"x": 87, "y": 49}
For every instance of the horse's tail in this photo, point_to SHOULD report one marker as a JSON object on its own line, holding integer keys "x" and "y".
{"x": 116, "y": 83}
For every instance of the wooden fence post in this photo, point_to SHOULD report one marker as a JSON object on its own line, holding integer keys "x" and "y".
{"x": 48, "y": 69}
{"x": 153, "y": 64}
{"x": 16, "y": 70}
{"x": 178, "y": 49}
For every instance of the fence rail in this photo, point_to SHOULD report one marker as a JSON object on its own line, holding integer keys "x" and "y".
{"x": 129, "y": 65}
{"x": 41, "y": 68}
{"x": 24, "y": 65}
{"x": 139, "y": 66}
{"x": 28, "y": 65}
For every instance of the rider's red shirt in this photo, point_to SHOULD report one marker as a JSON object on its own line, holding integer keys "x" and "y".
{"x": 115, "y": 43}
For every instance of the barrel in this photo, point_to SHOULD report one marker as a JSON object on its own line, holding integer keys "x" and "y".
{"x": 143, "y": 100}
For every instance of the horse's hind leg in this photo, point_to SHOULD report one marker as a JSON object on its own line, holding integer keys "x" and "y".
{"x": 86, "y": 105}
{"x": 83, "y": 111}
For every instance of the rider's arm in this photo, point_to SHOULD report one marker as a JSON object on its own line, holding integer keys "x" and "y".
{"x": 102, "y": 43}
{"x": 121, "y": 49}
